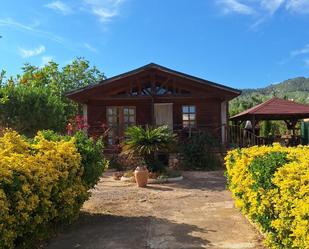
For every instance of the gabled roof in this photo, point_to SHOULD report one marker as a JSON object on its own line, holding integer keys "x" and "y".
{"x": 160, "y": 68}
{"x": 275, "y": 109}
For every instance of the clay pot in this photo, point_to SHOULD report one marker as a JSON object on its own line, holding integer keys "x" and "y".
{"x": 141, "y": 176}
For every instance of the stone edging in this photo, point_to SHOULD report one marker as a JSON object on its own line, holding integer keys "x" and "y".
{"x": 153, "y": 181}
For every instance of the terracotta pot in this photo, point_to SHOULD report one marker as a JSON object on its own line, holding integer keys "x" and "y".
{"x": 141, "y": 176}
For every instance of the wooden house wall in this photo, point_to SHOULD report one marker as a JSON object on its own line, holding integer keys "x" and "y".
{"x": 208, "y": 112}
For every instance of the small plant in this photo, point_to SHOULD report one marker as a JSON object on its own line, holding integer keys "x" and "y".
{"x": 122, "y": 162}
{"x": 129, "y": 174}
{"x": 196, "y": 152}
{"x": 170, "y": 173}
{"x": 117, "y": 175}
{"x": 156, "y": 166}
{"x": 145, "y": 143}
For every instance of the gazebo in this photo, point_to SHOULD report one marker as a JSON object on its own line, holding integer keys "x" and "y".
{"x": 274, "y": 109}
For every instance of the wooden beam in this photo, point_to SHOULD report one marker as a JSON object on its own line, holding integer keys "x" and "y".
{"x": 153, "y": 84}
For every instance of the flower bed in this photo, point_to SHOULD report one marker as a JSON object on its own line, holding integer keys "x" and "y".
{"x": 271, "y": 186}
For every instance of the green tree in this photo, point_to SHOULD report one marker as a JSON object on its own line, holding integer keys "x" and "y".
{"x": 36, "y": 98}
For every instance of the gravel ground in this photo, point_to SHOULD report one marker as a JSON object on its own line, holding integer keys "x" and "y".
{"x": 197, "y": 212}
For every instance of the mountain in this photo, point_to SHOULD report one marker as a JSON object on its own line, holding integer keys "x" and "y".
{"x": 296, "y": 89}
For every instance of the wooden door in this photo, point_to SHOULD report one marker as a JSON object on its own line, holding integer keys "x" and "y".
{"x": 119, "y": 118}
{"x": 164, "y": 114}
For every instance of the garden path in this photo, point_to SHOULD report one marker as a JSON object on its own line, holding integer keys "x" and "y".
{"x": 197, "y": 212}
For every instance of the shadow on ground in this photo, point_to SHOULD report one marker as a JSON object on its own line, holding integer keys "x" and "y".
{"x": 212, "y": 181}
{"x": 96, "y": 231}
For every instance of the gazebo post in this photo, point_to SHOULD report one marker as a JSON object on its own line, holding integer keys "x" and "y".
{"x": 253, "y": 129}
{"x": 291, "y": 126}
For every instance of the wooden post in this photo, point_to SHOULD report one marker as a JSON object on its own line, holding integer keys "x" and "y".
{"x": 152, "y": 79}
{"x": 253, "y": 129}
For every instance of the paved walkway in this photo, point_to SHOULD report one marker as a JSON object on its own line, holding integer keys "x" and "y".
{"x": 197, "y": 212}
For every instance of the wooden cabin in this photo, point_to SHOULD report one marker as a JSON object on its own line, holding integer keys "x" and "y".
{"x": 154, "y": 95}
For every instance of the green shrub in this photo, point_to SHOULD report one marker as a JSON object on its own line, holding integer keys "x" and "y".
{"x": 35, "y": 99}
{"x": 196, "y": 153}
{"x": 40, "y": 186}
{"x": 93, "y": 159}
{"x": 146, "y": 142}
{"x": 91, "y": 151}
{"x": 29, "y": 110}
{"x": 156, "y": 166}
{"x": 170, "y": 173}
{"x": 270, "y": 185}
{"x": 263, "y": 168}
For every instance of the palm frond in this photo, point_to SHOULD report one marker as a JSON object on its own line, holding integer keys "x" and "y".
{"x": 147, "y": 141}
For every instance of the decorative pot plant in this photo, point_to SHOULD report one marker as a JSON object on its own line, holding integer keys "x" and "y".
{"x": 145, "y": 143}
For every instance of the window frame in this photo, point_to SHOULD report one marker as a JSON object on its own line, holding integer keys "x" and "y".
{"x": 191, "y": 123}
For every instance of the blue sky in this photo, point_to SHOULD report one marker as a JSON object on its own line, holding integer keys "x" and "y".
{"x": 240, "y": 43}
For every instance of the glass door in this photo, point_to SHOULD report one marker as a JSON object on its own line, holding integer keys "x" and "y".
{"x": 119, "y": 118}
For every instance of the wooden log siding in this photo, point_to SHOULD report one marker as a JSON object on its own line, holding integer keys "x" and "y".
{"x": 143, "y": 87}
{"x": 208, "y": 112}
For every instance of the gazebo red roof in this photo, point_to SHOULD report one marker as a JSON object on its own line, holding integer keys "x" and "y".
{"x": 275, "y": 109}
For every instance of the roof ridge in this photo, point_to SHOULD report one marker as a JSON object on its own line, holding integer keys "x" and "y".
{"x": 159, "y": 67}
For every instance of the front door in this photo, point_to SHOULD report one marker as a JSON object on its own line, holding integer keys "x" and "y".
{"x": 164, "y": 114}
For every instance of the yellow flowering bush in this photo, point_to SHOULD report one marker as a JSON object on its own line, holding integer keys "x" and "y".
{"x": 40, "y": 185}
{"x": 270, "y": 184}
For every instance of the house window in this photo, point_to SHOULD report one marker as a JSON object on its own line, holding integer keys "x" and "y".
{"x": 188, "y": 116}
{"x": 113, "y": 118}
{"x": 128, "y": 116}
{"x": 119, "y": 118}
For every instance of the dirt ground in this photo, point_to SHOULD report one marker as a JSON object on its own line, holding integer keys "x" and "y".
{"x": 197, "y": 212}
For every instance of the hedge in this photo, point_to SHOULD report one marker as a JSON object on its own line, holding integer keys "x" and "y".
{"x": 41, "y": 185}
{"x": 271, "y": 186}
{"x": 91, "y": 151}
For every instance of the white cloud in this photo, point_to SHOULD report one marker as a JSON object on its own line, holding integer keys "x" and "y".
{"x": 32, "y": 29}
{"x": 298, "y": 6}
{"x": 263, "y": 7}
{"x": 261, "y": 11}
{"x": 59, "y": 6}
{"x": 302, "y": 51}
{"x": 105, "y": 10}
{"x": 272, "y": 5}
{"x": 104, "y": 15}
{"x": 46, "y": 59}
{"x": 89, "y": 47}
{"x": 26, "y": 53}
{"x": 234, "y": 6}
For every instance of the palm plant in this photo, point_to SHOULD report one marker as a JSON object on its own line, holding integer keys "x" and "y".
{"x": 146, "y": 142}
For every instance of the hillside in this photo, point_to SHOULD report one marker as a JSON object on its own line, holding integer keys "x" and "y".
{"x": 296, "y": 89}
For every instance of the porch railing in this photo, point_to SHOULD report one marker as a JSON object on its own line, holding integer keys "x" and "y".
{"x": 240, "y": 138}
{"x": 234, "y": 136}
